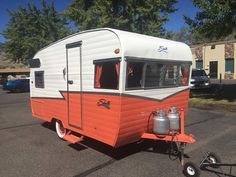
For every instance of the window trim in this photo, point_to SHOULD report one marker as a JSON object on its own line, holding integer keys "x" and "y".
{"x": 117, "y": 59}
{"x": 146, "y": 62}
{"x": 43, "y": 81}
{"x": 139, "y": 59}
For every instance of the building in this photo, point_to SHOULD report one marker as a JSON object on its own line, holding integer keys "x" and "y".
{"x": 14, "y": 73}
{"x": 217, "y": 59}
{"x": 9, "y": 70}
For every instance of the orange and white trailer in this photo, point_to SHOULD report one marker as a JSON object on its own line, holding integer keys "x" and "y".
{"x": 108, "y": 84}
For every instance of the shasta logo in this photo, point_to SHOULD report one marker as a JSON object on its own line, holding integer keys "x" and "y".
{"x": 163, "y": 49}
{"x": 104, "y": 103}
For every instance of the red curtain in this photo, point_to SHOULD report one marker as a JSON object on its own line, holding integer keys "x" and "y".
{"x": 185, "y": 76}
{"x": 118, "y": 73}
{"x": 98, "y": 76}
{"x": 118, "y": 69}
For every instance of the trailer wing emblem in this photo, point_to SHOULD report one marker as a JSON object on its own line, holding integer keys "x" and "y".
{"x": 162, "y": 49}
{"x": 103, "y": 102}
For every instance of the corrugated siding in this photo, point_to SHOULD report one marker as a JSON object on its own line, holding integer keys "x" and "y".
{"x": 95, "y": 45}
{"x": 135, "y": 113}
{"x": 98, "y": 122}
{"x": 125, "y": 121}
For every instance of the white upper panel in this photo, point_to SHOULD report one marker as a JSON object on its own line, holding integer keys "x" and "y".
{"x": 143, "y": 46}
{"x": 96, "y": 45}
{"x": 100, "y": 44}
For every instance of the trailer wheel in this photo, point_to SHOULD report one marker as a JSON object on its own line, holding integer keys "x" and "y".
{"x": 191, "y": 170}
{"x": 213, "y": 158}
{"x": 61, "y": 131}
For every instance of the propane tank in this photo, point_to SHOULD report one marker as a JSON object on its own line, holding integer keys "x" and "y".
{"x": 174, "y": 119}
{"x": 161, "y": 124}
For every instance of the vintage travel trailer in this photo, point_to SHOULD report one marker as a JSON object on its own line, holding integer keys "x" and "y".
{"x": 113, "y": 86}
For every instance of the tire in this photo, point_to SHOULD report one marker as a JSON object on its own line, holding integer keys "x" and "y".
{"x": 191, "y": 170}
{"x": 213, "y": 158}
{"x": 61, "y": 131}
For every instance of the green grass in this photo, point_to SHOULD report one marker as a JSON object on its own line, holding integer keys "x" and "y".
{"x": 211, "y": 104}
{"x": 218, "y": 98}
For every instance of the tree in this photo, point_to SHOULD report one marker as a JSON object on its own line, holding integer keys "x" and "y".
{"x": 29, "y": 29}
{"x": 183, "y": 35}
{"x": 216, "y": 20}
{"x": 142, "y": 16}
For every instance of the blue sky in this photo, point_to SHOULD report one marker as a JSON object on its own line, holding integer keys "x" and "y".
{"x": 175, "y": 23}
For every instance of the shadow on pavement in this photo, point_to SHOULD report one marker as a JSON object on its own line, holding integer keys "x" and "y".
{"x": 126, "y": 150}
{"x": 49, "y": 125}
{"x": 218, "y": 173}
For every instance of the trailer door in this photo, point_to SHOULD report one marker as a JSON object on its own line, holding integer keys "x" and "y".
{"x": 74, "y": 82}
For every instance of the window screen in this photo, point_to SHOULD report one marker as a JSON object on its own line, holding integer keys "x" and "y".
{"x": 39, "y": 79}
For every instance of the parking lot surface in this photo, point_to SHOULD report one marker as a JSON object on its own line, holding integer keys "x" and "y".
{"x": 29, "y": 147}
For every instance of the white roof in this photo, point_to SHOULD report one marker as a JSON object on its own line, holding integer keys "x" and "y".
{"x": 143, "y": 46}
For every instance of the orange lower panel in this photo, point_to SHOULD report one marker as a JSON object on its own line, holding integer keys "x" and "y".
{"x": 112, "y": 119}
{"x": 96, "y": 122}
{"x": 135, "y": 117}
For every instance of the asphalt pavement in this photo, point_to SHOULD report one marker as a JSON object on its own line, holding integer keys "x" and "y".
{"x": 30, "y": 148}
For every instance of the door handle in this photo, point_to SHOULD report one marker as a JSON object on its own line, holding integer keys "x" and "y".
{"x": 70, "y": 82}
{"x": 64, "y": 73}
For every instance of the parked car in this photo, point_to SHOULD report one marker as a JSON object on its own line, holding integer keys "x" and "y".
{"x": 199, "y": 79}
{"x": 19, "y": 85}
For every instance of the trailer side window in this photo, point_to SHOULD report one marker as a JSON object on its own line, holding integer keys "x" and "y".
{"x": 107, "y": 75}
{"x": 39, "y": 79}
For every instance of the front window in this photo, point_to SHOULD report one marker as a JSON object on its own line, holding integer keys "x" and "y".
{"x": 145, "y": 75}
